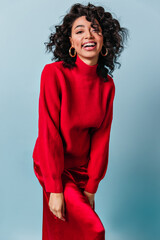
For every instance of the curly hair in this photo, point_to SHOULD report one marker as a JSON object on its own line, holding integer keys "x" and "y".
{"x": 114, "y": 37}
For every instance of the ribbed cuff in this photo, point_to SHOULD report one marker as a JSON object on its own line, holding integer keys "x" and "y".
{"x": 53, "y": 185}
{"x": 92, "y": 185}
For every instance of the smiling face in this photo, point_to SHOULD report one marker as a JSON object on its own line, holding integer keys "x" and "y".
{"x": 86, "y": 40}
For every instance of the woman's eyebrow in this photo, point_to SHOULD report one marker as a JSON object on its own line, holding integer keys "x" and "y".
{"x": 96, "y": 24}
{"x": 79, "y": 26}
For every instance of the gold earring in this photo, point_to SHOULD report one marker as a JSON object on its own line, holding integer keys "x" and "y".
{"x": 104, "y": 54}
{"x": 70, "y": 53}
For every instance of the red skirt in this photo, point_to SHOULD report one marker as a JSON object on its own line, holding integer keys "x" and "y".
{"x": 82, "y": 222}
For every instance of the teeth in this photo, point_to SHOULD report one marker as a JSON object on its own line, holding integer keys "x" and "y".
{"x": 89, "y": 45}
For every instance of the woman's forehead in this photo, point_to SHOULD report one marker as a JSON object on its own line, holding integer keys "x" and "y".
{"x": 82, "y": 21}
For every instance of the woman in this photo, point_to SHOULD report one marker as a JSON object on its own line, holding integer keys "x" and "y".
{"x": 75, "y": 116}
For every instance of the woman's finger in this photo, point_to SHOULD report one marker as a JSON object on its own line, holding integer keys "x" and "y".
{"x": 59, "y": 215}
{"x": 63, "y": 210}
{"x": 90, "y": 198}
{"x": 54, "y": 213}
{"x": 94, "y": 205}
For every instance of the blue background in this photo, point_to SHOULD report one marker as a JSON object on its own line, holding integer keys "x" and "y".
{"x": 128, "y": 197}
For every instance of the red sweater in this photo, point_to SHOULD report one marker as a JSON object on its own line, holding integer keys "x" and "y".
{"x": 75, "y": 116}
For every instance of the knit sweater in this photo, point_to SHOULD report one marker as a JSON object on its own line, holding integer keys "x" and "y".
{"x": 75, "y": 116}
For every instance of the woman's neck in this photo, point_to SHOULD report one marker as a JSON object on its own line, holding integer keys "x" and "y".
{"x": 89, "y": 61}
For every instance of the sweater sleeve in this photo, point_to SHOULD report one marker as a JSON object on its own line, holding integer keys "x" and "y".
{"x": 99, "y": 149}
{"x": 50, "y": 145}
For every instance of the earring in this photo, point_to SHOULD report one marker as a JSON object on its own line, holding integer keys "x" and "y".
{"x": 70, "y": 53}
{"x": 104, "y": 54}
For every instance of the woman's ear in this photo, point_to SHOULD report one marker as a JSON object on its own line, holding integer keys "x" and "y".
{"x": 71, "y": 41}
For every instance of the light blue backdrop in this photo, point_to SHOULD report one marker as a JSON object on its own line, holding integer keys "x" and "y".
{"x": 128, "y": 197}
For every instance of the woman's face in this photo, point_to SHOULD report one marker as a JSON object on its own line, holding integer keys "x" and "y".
{"x": 86, "y": 40}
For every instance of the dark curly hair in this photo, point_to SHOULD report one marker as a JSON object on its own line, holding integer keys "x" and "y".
{"x": 114, "y": 37}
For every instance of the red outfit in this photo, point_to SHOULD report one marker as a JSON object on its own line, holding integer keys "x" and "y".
{"x": 71, "y": 150}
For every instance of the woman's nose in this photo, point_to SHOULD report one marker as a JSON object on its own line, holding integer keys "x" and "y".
{"x": 88, "y": 34}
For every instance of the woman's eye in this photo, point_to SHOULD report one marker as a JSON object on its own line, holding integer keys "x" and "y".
{"x": 95, "y": 30}
{"x": 79, "y": 32}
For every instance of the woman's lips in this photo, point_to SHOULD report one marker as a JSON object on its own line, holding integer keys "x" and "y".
{"x": 89, "y": 48}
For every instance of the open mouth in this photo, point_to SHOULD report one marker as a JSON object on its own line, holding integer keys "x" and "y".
{"x": 89, "y": 45}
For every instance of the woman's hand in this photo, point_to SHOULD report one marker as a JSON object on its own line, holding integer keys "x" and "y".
{"x": 57, "y": 205}
{"x": 91, "y": 197}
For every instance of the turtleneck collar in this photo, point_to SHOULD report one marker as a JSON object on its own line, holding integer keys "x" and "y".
{"x": 85, "y": 69}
